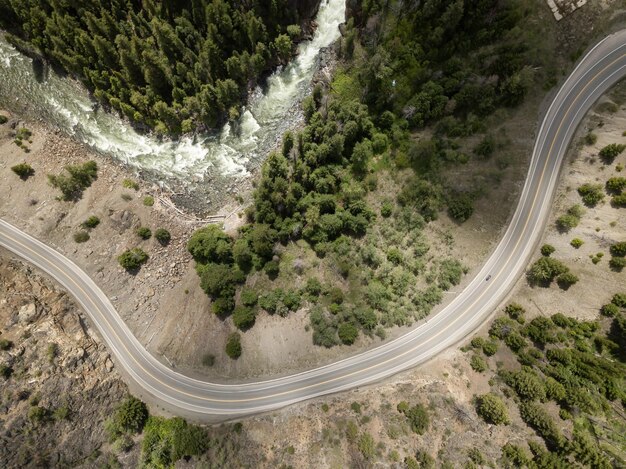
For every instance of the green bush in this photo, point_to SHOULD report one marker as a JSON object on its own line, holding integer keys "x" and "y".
{"x": 162, "y": 236}
{"x": 81, "y": 237}
{"x": 3, "y": 119}
{"x": 233, "y": 346}
{"x": 461, "y": 207}
{"x": 248, "y": 297}
{"x": 386, "y": 209}
{"x": 130, "y": 184}
{"x": 478, "y": 364}
{"x": 208, "y": 359}
{"x": 490, "y": 348}
{"x": 515, "y": 311}
{"x": 617, "y": 263}
{"x": 610, "y": 152}
{"x": 492, "y": 410}
{"x": 144, "y": 232}
{"x": 38, "y": 414}
{"x": 418, "y": 419}
{"x": 618, "y": 249}
{"x": 619, "y": 200}
{"x": 91, "y": 222}
{"x": 148, "y": 201}
{"x": 5, "y": 344}
{"x": 77, "y": 179}
{"x": 210, "y": 244}
{"x": 571, "y": 218}
{"x": 485, "y": 147}
{"x": 527, "y": 385}
{"x": 166, "y": 441}
{"x": 132, "y": 259}
{"x": 592, "y": 194}
{"x": 5, "y": 371}
{"x": 619, "y": 299}
{"x": 591, "y": 138}
{"x": 347, "y": 333}
{"x": 243, "y": 317}
{"x": 610, "y": 310}
{"x": 566, "y": 280}
{"x": 545, "y": 270}
{"x": 616, "y": 185}
{"x": 547, "y": 250}
{"x": 23, "y": 170}
{"x": 576, "y": 243}
{"x": 536, "y": 417}
{"x": 131, "y": 415}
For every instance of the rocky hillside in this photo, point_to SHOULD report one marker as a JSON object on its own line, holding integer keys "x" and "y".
{"x": 58, "y": 382}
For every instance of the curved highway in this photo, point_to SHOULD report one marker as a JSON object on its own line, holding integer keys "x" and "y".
{"x": 601, "y": 68}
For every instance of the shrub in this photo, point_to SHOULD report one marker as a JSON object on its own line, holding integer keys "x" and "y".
{"x": 610, "y": 310}
{"x": 386, "y": 209}
{"x": 210, "y": 244}
{"x": 577, "y": 242}
{"x": 3, "y": 119}
{"x": 618, "y": 249}
{"x": 223, "y": 306}
{"x": 619, "y": 200}
{"x": 169, "y": 440}
{"x": 131, "y": 415}
{"x": 546, "y": 269}
{"x": 81, "y": 237}
{"x": 567, "y": 222}
{"x": 126, "y": 197}
{"x": 527, "y": 386}
{"x": 5, "y": 371}
{"x": 356, "y": 407}
{"x": 243, "y": 317}
{"x": 144, "y": 232}
{"x": 162, "y": 236}
{"x": 347, "y": 333}
{"x": 23, "y": 170}
{"x": 492, "y": 410}
{"x": 37, "y": 414}
{"x": 566, "y": 280}
{"x": 313, "y": 286}
{"x": 248, "y": 297}
{"x": 617, "y": 263}
{"x": 91, "y": 222}
{"x": 130, "y": 184}
{"x": 148, "y": 201}
{"x": 547, "y": 249}
{"x": 616, "y": 185}
{"x": 242, "y": 254}
{"x": 5, "y": 344}
{"x": 461, "y": 207}
{"x": 591, "y": 138}
{"x": 485, "y": 147}
{"x": 478, "y": 364}
{"x": 208, "y": 359}
{"x": 233, "y": 346}
{"x": 592, "y": 194}
{"x": 610, "y": 152}
{"x": 77, "y": 179}
{"x": 490, "y": 348}
{"x": 132, "y": 259}
{"x": 536, "y": 417}
{"x": 418, "y": 419}
{"x": 272, "y": 268}
{"x": 514, "y": 310}
{"x": 619, "y": 299}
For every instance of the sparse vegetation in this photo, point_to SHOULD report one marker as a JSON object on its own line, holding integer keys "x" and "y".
{"x": 130, "y": 184}
{"x": 148, "y": 201}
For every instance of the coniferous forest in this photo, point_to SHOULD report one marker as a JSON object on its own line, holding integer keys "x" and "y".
{"x": 173, "y": 66}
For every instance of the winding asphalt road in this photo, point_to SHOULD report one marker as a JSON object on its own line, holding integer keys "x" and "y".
{"x": 601, "y": 68}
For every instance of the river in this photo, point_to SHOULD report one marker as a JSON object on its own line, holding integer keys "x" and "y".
{"x": 229, "y": 153}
